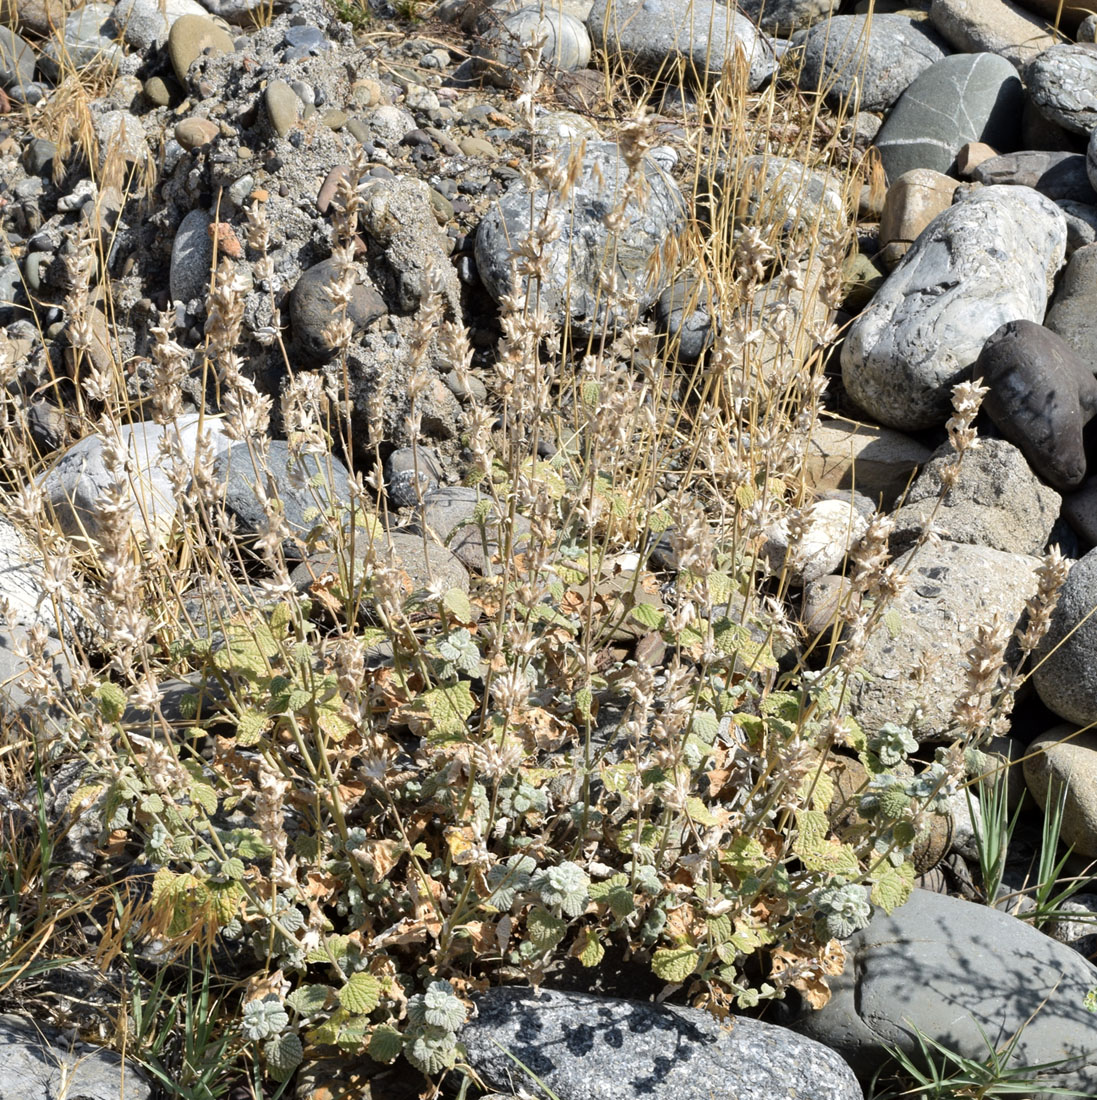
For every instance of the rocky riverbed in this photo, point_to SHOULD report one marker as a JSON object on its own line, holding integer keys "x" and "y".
{"x": 218, "y": 133}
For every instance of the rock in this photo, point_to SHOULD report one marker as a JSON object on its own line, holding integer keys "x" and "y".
{"x": 576, "y": 258}
{"x": 1059, "y": 175}
{"x": 567, "y": 43}
{"x": 1060, "y": 13}
{"x": 971, "y": 156}
{"x": 779, "y": 191}
{"x": 282, "y": 107}
{"x": 790, "y": 323}
{"x": 16, "y": 59}
{"x": 961, "y": 98}
{"x": 121, "y": 133}
{"x": 1091, "y": 163}
{"x": 144, "y": 25}
{"x": 862, "y": 277}
{"x": 405, "y": 246}
{"x": 964, "y": 975}
{"x": 76, "y": 485}
{"x": 653, "y": 33}
{"x": 190, "y": 37}
{"x": 419, "y": 563}
{"x": 449, "y": 515}
{"x": 683, "y": 313}
{"x": 193, "y": 133}
{"x": 993, "y": 26}
{"x": 22, "y": 588}
{"x": 1070, "y": 314}
{"x": 1065, "y": 673}
{"x": 913, "y": 668}
{"x": 1067, "y": 757}
{"x": 997, "y": 501}
{"x": 822, "y": 603}
{"x": 1080, "y": 511}
{"x": 1041, "y": 398}
{"x": 36, "y": 1060}
{"x": 926, "y": 326}
{"x": 1081, "y": 219}
{"x": 875, "y": 461}
{"x": 875, "y": 57}
{"x": 85, "y": 38}
{"x": 1078, "y": 926}
{"x": 312, "y": 310}
{"x": 586, "y": 1047}
{"x": 410, "y": 474}
{"x": 785, "y": 16}
{"x": 912, "y": 202}
{"x": 37, "y": 17}
{"x": 157, "y": 91}
{"x": 310, "y": 488}
{"x": 191, "y": 258}
{"x": 829, "y": 529}
{"x": 1060, "y": 82}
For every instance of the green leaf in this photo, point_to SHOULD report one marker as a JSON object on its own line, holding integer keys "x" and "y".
{"x": 309, "y": 999}
{"x": 232, "y": 868}
{"x": 544, "y": 930}
{"x": 705, "y": 725}
{"x": 587, "y": 949}
{"x": 331, "y": 950}
{"x": 112, "y": 702}
{"x": 894, "y": 623}
{"x": 205, "y": 796}
{"x": 893, "y": 886}
{"x": 284, "y": 1054}
{"x": 674, "y": 964}
{"x": 385, "y": 1044}
{"x": 247, "y": 843}
{"x": 151, "y": 803}
{"x": 456, "y": 604}
{"x": 720, "y": 587}
{"x": 361, "y": 994}
{"x": 443, "y": 711}
{"x": 648, "y": 615}
{"x": 250, "y": 727}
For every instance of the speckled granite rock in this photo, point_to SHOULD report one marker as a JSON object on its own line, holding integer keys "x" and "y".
{"x": 997, "y": 501}
{"x": 913, "y": 668}
{"x": 590, "y": 1048}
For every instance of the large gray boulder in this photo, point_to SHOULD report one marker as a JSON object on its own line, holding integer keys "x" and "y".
{"x": 913, "y": 668}
{"x": 873, "y": 58}
{"x": 654, "y": 34}
{"x": 585, "y": 1047}
{"x": 584, "y": 247}
{"x": 984, "y": 261}
{"x": 950, "y": 968}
